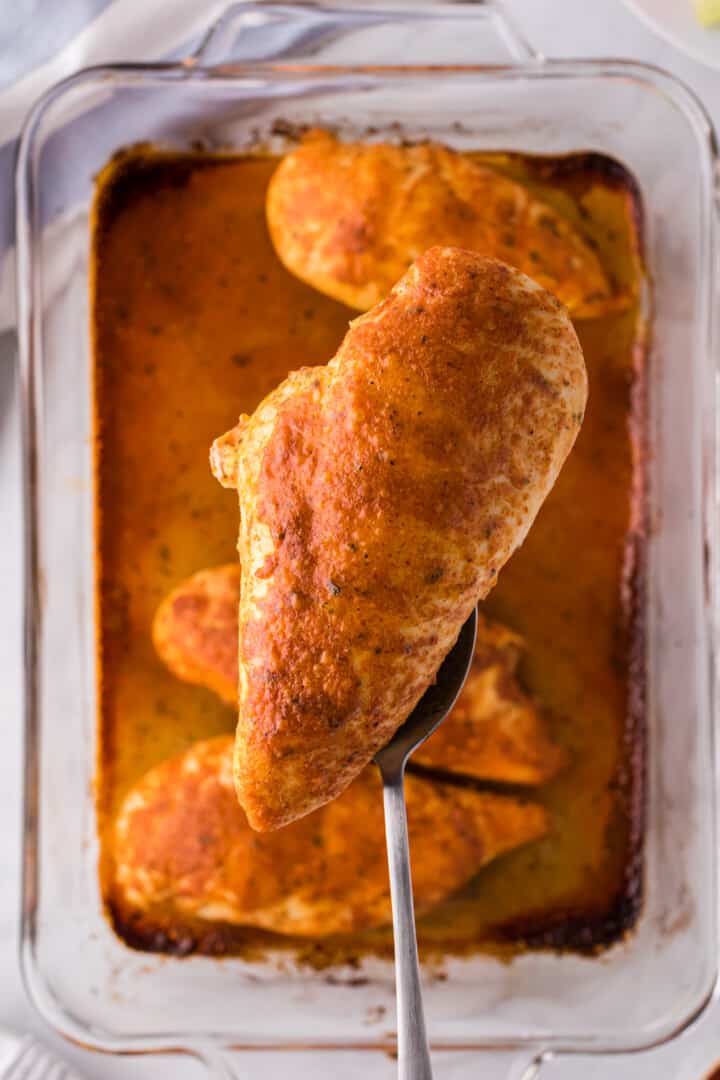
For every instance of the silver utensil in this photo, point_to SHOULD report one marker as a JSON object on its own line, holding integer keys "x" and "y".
{"x": 26, "y": 1059}
{"x": 431, "y": 710}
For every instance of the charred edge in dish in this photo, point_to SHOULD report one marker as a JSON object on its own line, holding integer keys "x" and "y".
{"x": 164, "y": 932}
{"x": 159, "y": 931}
{"x": 589, "y": 166}
{"x": 635, "y": 602}
{"x": 568, "y": 929}
{"x": 138, "y": 170}
{"x": 585, "y": 164}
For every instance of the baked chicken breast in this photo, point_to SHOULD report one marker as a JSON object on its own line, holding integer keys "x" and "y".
{"x": 495, "y": 732}
{"x": 195, "y": 630}
{"x": 182, "y": 846}
{"x": 380, "y": 496}
{"x": 349, "y": 218}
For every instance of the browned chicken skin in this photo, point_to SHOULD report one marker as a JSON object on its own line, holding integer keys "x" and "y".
{"x": 379, "y": 498}
{"x": 495, "y": 732}
{"x": 183, "y": 846}
{"x": 195, "y": 630}
{"x": 349, "y": 218}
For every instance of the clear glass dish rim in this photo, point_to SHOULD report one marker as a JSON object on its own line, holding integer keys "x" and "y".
{"x": 655, "y": 78}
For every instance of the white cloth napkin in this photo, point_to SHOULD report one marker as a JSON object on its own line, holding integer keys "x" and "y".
{"x": 43, "y": 42}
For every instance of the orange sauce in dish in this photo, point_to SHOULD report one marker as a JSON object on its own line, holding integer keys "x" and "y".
{"x": 195, "y": 320}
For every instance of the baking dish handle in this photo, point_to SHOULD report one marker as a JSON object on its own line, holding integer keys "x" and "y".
{"x": 506, "y": 1065}
{"x": 476, "y": 33}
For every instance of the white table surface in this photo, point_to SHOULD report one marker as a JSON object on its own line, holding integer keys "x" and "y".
{"x": 556, "y": 28}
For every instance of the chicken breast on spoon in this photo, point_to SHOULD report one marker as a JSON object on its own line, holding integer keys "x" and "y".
{"x": 380, "y": 497}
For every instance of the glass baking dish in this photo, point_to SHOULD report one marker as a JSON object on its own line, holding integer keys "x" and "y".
{"x": 473, "y": 83}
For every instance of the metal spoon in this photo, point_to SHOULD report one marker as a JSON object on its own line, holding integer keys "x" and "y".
{"x": 430, "y": 711}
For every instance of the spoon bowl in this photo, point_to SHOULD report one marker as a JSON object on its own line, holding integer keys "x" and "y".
{"x": 435, "y": 704}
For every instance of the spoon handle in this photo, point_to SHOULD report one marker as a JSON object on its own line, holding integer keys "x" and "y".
{"x": 413, "y": 1051}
